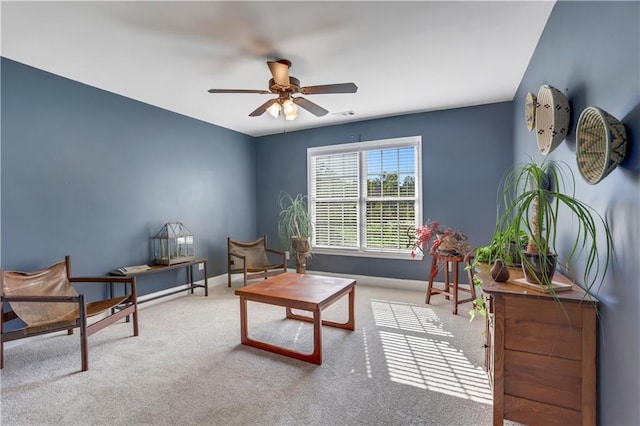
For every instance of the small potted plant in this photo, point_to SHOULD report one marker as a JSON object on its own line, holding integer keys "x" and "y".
{"x": 430, "y": 238}
{"x": 295, "y": 228}
{"x": 510, "y": 244}
{"x": 534, "y": 197}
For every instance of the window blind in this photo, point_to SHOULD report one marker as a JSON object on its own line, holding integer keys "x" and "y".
{"x": 365, "y": 196}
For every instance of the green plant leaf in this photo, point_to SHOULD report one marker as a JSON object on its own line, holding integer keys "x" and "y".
{"x": 531, "y": 200}
{"x": 294, "y": 220}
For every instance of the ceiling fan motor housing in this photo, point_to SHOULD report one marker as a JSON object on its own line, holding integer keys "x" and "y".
{"x": 294, "y": 86}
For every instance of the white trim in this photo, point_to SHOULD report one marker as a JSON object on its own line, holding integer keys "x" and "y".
{"x": 379, "y": 254}
{"x": 360, "y": 147}
{"x": 372, "y": 281}
{"x": 365, "y": 280}
{"x": 221, "y": 280}
{"x": 217, "y": 280}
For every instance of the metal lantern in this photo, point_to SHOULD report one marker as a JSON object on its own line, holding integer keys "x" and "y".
{"x": 173, "y": 244}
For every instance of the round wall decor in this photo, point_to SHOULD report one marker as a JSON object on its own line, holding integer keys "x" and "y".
{"x": 552, "y": 118}
{"x": 530, "y": 110}
{"x": 601, "y": 144}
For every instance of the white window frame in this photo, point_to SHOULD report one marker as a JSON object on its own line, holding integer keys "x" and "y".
{"x": 361, "y": 148}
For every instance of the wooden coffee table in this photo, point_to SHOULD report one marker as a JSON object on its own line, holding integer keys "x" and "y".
{"x": 310, "y": 293}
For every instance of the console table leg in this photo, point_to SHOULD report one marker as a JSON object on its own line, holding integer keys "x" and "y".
{"x": 206, "y": 283}
{"x": 190, "y": 277}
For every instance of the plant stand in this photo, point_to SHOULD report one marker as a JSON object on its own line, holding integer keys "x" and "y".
{"x": 450, "y": 289}
{"x": 301, "y": 247}
{"x": 301, "y": 263}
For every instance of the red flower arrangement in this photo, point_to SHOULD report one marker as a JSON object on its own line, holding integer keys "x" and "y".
{"x": 428, "y": 235}
{"x": 429, "y": 238}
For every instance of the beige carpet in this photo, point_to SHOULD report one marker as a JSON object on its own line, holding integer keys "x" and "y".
{"x": 406, "y": 363}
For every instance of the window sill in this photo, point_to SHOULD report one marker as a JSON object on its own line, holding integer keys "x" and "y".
{"x": 405, "y": 255}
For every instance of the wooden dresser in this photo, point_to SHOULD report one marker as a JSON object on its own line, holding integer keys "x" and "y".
{"x": 540, "y": 354}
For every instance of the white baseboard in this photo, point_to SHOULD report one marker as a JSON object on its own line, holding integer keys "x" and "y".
{"x": 221, "y": 280}
{"x": 372, "y": 281}
{"x": 365, "y": 280}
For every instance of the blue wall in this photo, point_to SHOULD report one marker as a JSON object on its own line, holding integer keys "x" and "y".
{"x": 591, "y": 51}
{"x": 464, "y": 154}
{"x": 95, "y": 175}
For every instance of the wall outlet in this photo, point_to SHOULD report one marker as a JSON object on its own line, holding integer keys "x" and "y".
{"x": 286, "y": 255}
{"x": 450, "y": 265}
{"x": 200, "y": 266}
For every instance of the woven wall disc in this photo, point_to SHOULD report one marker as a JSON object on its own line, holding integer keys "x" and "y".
{"x": 552, "y": 118}
{"x": 601, "y": 144}
{"x": 530, "y": 111}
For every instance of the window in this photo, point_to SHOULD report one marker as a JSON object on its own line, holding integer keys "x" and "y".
{"x": 364, "y": 196}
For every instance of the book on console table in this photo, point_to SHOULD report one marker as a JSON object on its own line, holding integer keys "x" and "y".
{"x": 130, "y": 269}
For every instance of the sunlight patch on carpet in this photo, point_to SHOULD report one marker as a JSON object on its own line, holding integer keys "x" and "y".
{"x": 433, "y": 365}
{"x": 407, "y": 317}
{"x": 367, "y": 356}
{"x": 297, "y": 336}
{"x": 423, "y": 362}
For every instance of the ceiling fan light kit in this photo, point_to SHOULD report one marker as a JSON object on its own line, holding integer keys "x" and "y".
{"x": 284, "y": 104}
{"x": 274, "y": 110}
{"x": 284, "y": 85}
{"x": 290, "y": 109}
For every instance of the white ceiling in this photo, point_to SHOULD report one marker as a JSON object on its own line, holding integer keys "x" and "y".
{"x": 404, "y": 57}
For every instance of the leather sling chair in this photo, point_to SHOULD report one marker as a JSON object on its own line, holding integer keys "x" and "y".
{"x": 250, "y": 258}
{"x": 45, "y": 301}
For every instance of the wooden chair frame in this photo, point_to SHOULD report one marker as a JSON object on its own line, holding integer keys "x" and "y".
{"x": 115, "y": 309}
{"x": 248, "y": 269}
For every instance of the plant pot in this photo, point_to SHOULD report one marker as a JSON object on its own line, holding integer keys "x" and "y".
{"x": 512, "y": 256}
{"x": 539, "y": 269}
{"x": 447, "y": 244}
{"x": 499, "y": 272}
{"x": 301, "y": 247}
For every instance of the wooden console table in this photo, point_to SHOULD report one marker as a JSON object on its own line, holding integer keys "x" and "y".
{"x": 540, "y": 352}
{"x": 161, "y": 268}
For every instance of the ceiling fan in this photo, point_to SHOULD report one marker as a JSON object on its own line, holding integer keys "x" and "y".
{"x": 284, "y": 85}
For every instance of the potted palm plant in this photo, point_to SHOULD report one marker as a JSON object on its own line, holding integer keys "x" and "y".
{"x": 533, "y": 199}
{"x": 295, "y": 228}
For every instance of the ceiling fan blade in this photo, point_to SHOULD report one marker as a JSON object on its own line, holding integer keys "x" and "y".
{"x": 314, "y": 109}
{"x": 280, "y": 72}
{"x": 329, "y": 88}
{"x": 262, "y": 92}
{"x": 262, "y": 108}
